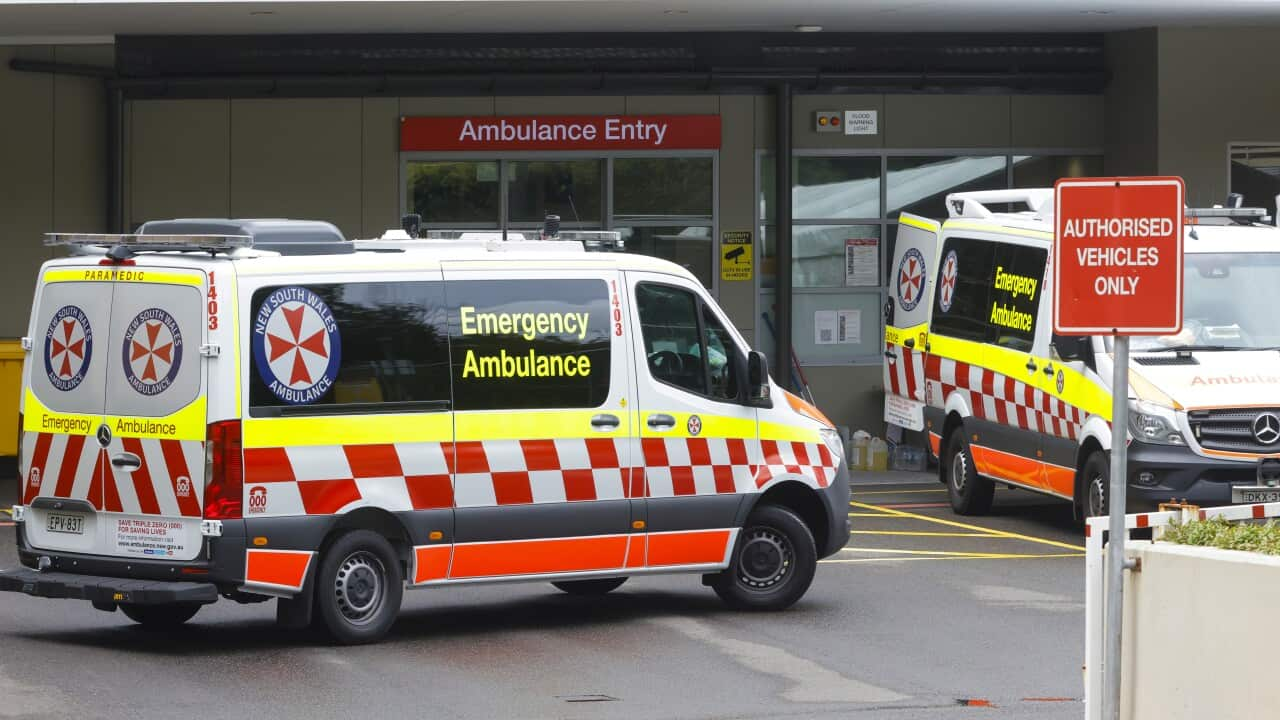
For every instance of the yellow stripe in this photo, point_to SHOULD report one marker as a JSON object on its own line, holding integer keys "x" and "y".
{"x": 785, "y": 433}
{"x": 123, "y": 274}
{"x": 997, "y": 229}
{"x": 963, "y": 557}
{"x": 186, "y": 424}
{"x": 925, "y": 533}
{"x": 347, "y": 429}
{"x": 940, "y": 553}
{"x": 898, "y": 336}
{"x": 528, "y": 425}
{"x": 965, "y": 526}
{"x": 896, "y": 492}
{"x": 919, "y": 223}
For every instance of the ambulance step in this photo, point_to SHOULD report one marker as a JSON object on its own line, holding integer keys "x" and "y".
{"x": 94, "y": 588}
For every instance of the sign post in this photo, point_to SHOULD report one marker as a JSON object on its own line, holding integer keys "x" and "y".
{"x": 1117, "y": 270}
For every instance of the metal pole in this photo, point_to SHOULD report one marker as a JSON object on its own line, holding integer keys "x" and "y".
{"x": 782, "y": 233}
{"x": 1116, "y": 534}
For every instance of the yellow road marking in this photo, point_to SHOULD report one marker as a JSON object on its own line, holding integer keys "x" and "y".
{"x": 880, "y": 515}
{"x": 843, "y": 561}
{"x": 966, "y": 526}
{"x": 897, "y": 492}
{"x": 925, "y": 533}
{"x": 943, "y": 553}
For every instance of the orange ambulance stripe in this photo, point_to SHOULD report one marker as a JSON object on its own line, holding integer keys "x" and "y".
{"x": 530, "y": 557}
{"x": 636, "y": 551}
{"x": 276, "y": 568}
{"x": 1006, "y": 465}
{"x": 432, "y": 563}
{"x": 690, "y": 548}
{"x": 1061, "y": 480}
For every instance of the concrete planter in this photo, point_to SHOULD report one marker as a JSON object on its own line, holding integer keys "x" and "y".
{"x": 1200, "y": 632}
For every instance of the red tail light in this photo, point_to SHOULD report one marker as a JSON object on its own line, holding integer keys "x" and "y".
{"x": 224, "y": 472}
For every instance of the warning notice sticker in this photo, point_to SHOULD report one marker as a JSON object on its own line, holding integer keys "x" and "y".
{"x": 151, "y": 537}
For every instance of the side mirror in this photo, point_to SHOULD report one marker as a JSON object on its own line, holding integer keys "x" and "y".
{"x": 758, "y": 380}
{"x": 411, "y": 224}
{"x": 1076, "y": 347}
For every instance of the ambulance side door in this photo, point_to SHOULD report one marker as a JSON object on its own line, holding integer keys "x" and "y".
{"x": 907, "y": 318}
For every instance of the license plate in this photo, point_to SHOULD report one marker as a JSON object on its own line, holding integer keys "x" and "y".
{"x": 1255, "y": 494}
{"x": 69, "y": 524}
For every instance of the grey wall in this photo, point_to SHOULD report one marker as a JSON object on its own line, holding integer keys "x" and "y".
{"x": 1131, "y": 103}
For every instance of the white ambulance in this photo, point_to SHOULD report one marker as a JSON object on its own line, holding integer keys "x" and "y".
{"x": 263, "y": 409}
{"x": 971, "y": 360}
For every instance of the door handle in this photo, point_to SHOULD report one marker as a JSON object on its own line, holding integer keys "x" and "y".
{"x": 126, "y": 461}
{"x": 605, "y": 422}
{"x": 1031, "y": 366}
{"x": 1048, "y": 370}
{"x": 891, "y": 355}
{"x": 909, "y": 343}
{"x": 661, "y": 421}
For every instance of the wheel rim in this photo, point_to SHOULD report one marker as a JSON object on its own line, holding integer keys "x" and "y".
{"x": 360, "y": 587}
{"x": 959, "y": 472}
{"x": 765, "y": 559}
{"x": 1097, "y": 495}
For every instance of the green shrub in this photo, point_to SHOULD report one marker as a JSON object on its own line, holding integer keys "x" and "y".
{"x": 1220, "y": 533}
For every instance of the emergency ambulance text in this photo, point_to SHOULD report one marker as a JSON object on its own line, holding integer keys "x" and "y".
{"x": 1015, "y": 285}
{"x": 65, "y": 424}
{"x": 526, "y": 325}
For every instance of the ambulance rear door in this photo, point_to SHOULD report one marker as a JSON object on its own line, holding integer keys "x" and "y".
{"x": 907, "y": 320}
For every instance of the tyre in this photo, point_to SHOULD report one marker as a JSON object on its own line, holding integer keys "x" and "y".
{"x": 1095, "y": 485}
{"x": 970, "y": 493}
{"x": 772, "y": 563}
{"x": 160, "y": 617}
{"x": 590, "y": 587}
{"x": 359, "y": 588}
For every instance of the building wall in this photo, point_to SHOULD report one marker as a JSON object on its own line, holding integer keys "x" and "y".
{"x": 1131, "y": 103}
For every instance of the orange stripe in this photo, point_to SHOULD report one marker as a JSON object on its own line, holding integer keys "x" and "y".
{"x": 530, "y": 557}
{"x": 636, "y": 551}
{"x": 1006, "y": 466}
{"x": 935, "y": 442}
{"x": 432, "y": 563}
{"x": 288, "y": 569}
{"x": 690, "y": 548}
{"x": 808, "y": 410}
{"x": 1061, "y": 480}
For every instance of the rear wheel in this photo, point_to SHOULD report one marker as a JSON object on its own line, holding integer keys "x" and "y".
{"x": 969, "y": 492}
{"x": 772, "y": 564}
{"x": 590, "y": 587}
{"x": 359, "y": 588}
{"x": 160, "y": 617}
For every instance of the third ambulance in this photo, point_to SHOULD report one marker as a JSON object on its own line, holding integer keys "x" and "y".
{"x": 971, "y": 360}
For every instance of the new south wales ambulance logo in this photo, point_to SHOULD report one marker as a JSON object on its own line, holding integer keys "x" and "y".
{"x": 68, "y": 344}
{"x": 947, "y": 288}
{"x": 910, "y": 279}
{"x": 296, "y": 345}
{"x": 152, "y": 351}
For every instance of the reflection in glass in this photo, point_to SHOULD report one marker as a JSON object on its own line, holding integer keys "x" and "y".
{"x": 571, "y": 189}
{"x": 454, "y": 192}
{"x": 818, "y": 254}
{"x": 920, "y": 185}
{"x": 1042, "y": 171}
{"x": 826, "y": 187}
{"x": 1255, "y": 173}
{"x": 646, "y": 188}
{"x": 687, "y": 246}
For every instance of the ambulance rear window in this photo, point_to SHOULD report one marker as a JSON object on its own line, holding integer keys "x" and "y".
{"x": 349, "y": 346}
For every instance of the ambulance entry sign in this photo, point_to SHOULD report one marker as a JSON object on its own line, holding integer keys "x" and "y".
{"x": 1117, "y": 256}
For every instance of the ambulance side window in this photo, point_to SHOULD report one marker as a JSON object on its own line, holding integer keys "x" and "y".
{"x": 528, "y": 344}
{"x": 699, "y": 357}
{"x": 379, "y": 347}
{"x": 1015, "y": 295}
{"x": 962, "y": 292}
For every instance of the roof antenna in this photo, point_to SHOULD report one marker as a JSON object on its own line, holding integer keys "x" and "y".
{"x": 551, "y": 227}
{"x": 411, "y": 224}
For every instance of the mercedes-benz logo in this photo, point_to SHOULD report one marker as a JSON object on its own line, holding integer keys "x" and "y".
{"x": 104, "y": 434}
{"x": 1266, "y": 427}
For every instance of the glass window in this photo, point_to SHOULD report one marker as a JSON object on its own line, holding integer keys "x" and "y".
{"x": 920, "y": 185}
{"x": 669, "y": 324}
{"x": 835, "y": 187}
{"x": 352, "y": 343}
{"x": 962, "y": 292}
{"x": 1015, "y": 295}
{"x": 1031, "y": 171}
{"x": 722, "y": 357}
{"x": 1255, "y": 173}
{"x": 687, "y": 246}
{"x": 454, "y": 191}
{"x": 818, "y": 254}
{"x": 571, "y": 189}
{"x": 519, "y": 344}
{"x": 648, "y": 188}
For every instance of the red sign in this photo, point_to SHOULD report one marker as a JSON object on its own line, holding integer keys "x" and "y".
{"x": 555, "y": 132}
{"x": 1117, "y": 256}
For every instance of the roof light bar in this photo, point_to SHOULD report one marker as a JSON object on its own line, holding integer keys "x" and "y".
{"x": 155, "y": 242}
{"x": 1227, "y": 212}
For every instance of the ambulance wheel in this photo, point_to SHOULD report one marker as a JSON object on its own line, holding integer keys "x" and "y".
{"x": 160, "y": 617}
{"x": 772, "y": 563}
{"x": 1096, "y": 479}
{"x": 359, "y": 588}
{"x": 590, "y": 587}
{"x": 970, "y": 493}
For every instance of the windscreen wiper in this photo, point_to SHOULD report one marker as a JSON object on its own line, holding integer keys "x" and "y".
{"x": 1189, "y": 348}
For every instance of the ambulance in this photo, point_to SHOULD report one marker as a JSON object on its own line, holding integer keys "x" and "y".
{"x": 972, "y": 361}
{"x": 263, "y": 409}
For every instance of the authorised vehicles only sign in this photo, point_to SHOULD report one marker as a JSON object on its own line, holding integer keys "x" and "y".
{"x": 1117, "y": 256}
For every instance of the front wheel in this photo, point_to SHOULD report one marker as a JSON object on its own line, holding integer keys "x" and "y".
{"x": 359, "y": 588}
{"x": 160, "y": 617}
{"x": 772, "y": 564}
{"x": 1095, "y": 479}
{"x": 969, "y": 492}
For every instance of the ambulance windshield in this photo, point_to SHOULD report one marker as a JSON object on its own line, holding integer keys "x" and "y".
{"x": 1230, "y": 302}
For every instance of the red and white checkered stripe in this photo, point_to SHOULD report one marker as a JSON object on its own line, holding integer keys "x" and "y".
{"x": 905, "y": 375}
{"x": 1000, "y": 398}
{"x": 329, "y": 479}
{"x": 168, "y": 483}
